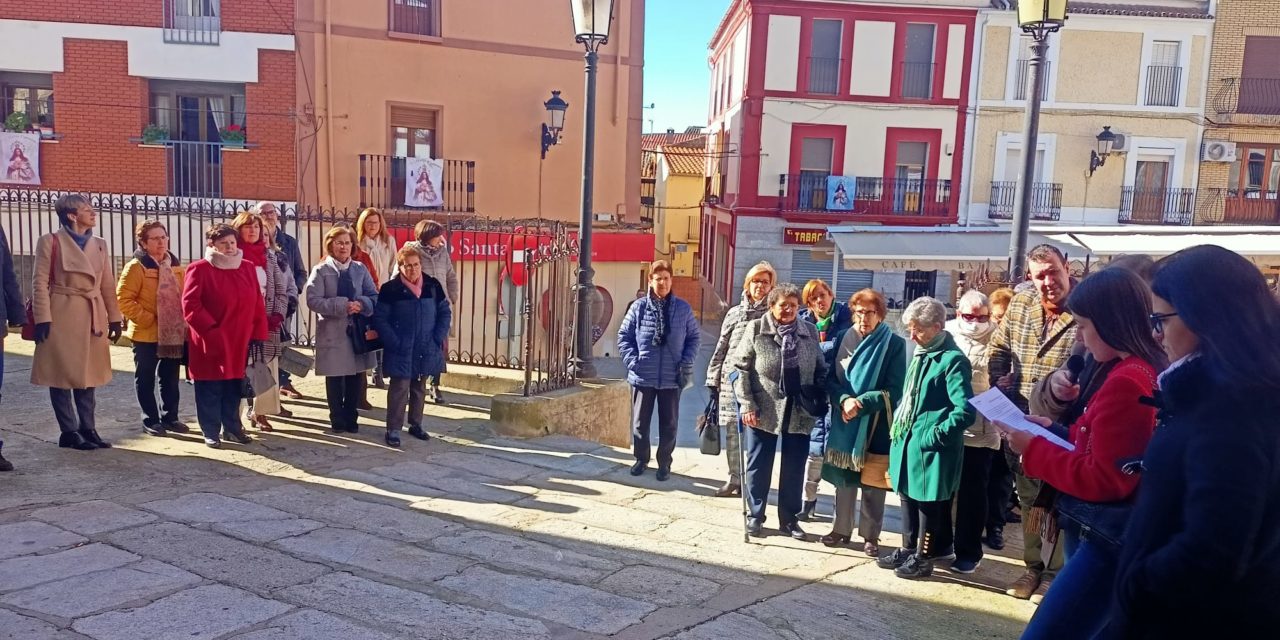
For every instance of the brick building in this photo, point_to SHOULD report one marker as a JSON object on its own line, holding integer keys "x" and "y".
{"x": 92, "y": 76}
{"x": 1240, "y": 169}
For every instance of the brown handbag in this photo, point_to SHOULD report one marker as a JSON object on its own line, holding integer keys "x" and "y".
{"x": 875, "y": 468}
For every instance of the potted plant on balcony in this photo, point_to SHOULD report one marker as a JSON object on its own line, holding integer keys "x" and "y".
{"x": 154, "y": 134}
{"x": 17, "y": 122}
{"x": 232, "y": 135}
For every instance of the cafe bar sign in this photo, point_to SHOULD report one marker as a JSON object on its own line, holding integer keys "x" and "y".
{"x": 803, "y": 237}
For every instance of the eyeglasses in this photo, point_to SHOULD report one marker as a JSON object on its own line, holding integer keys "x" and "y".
{"x": 973, "y": 317}
{"x": 864, "y": 313}
{"x": 1157, "y": 320}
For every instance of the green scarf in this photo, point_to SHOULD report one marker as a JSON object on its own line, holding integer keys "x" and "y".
{"x": 847, "y": 442}
{"x": 823, "y": 323}
{"x": 907, "y": 409}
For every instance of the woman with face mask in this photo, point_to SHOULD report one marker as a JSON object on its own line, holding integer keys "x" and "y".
{"x": 976, "y": 507}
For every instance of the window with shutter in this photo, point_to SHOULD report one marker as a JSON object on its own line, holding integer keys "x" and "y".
{"x": 1260, "y": 76}
{"x": 1164, "y": 74}
{"x": 413, "y": 132}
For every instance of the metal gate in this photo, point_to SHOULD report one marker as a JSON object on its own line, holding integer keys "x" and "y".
{"x": 804, "y": 267}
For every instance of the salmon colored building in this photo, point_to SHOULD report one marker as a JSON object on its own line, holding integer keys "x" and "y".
{"x": 465, "y": 82}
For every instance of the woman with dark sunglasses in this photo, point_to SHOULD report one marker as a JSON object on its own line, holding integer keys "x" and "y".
{"x": 1199, "y": 555}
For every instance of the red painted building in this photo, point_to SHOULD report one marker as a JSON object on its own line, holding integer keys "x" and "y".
{"x": 829, "y": 113}
{"x": 93, "y": 76}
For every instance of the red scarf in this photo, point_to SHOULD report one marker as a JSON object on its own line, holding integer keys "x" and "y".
{"x": 415, "y": 287}
{"x": 256, "y": 253}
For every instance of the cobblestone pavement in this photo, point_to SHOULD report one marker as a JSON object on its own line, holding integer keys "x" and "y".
{"x": 307, "y": 535}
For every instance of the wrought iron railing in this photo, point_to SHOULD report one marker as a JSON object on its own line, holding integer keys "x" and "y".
{"x": 1046, "y": 201}
{"x": 824, "y": 75}
{"x": 1157, "y": 206}
{"x": 1240, "y": 206}
{"x": 1164, "y": 83}
{"x": 917, "y": 80}
{"x": 193, "y": 21}
{"x": 415, "y": 17}
{"x": 514, "y": 309}
{"x": 383, "y": 181}
{"x": 1248, "y": 96}
{"x": 1023, "y": 89}
{"x": 871, "y": 196}
{"x": 194, "y": 169}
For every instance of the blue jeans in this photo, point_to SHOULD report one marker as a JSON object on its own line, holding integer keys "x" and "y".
{"x": 1078, "y": 604}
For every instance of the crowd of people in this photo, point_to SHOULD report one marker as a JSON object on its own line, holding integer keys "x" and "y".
{"x": 1160, "y": 518}
{"x": 224, "y": 318}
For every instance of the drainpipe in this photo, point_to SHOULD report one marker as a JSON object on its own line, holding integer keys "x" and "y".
{"x": 328, "y": 95}
{"x": 971, "y": 121}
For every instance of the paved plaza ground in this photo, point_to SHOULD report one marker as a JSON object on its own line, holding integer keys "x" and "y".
{"x": 305, "y": 535}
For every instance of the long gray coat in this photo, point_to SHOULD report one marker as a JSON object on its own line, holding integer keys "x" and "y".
{"x": 334, "y": 354}
{"x": 759, "y": 360}
{"x": 735, "y": 322}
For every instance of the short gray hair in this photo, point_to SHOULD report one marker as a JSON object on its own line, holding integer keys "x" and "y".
{"x": 257, "y": 208}
{"x": 973, "y": 299}
{"x": 784, "y": 290}
{"x": 924, "y": 312}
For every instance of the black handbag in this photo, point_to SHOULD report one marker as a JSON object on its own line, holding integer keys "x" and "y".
{"x": 709, "y": 427}
{"x": 356, "y": 331}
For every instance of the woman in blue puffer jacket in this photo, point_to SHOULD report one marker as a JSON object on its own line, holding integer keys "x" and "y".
{"x": 658, "y": 340}
{"x": 831, "y": 318}
{"x": 412, "y": 318}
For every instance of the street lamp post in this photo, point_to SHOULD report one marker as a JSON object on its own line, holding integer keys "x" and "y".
{"x": 591, "y": 22}
{"x": 1038, "y": 18}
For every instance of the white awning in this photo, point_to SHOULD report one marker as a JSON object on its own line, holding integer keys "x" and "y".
{"x": 1259, "y": 244}
{"x": 930, "y": 248}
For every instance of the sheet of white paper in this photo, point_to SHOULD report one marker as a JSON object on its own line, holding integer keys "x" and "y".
{"x": 997, "y": 407}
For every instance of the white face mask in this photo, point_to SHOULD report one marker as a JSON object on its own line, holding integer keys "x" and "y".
{"x": 975, "y": 329}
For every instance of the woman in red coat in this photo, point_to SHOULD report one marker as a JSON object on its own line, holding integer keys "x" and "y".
{"x": 1116, "y": 420}
{"x": 224, "y": 311}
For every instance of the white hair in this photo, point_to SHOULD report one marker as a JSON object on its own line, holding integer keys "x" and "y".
{"x": 973, "y": 300}
{"x": 924, "y": 312}
{"x": 257, "y": 208}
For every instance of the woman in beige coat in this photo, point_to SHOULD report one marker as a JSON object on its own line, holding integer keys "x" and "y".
{"x": 77, "y": 317}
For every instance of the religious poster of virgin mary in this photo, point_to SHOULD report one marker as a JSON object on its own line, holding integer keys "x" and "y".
{"x": 422, "y": 182}
{"x": 20, "y": 158}
{"x": 840, "y": 193}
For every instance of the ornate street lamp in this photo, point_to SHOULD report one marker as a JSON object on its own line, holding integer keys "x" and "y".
{"x": 1106, "y": 140}
{"x": 1038, "y": 19}
{"x": 591, "y": 22}
{"x": 555, "y": 122}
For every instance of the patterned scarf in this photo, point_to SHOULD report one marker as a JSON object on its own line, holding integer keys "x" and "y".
{"x": 824, "y": 323}
{"x": 790, "y": 344}
{"x": 660, "y": 308}
{"x": 172, "y": 326}
{"x": 907, "y": 409}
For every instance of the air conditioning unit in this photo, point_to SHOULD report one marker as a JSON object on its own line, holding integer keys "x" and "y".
{"x": 1122, "y": 144}
{"x": 1218, "y": 151}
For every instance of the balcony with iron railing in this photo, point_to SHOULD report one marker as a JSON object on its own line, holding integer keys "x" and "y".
{"x": 193, "y": 21}
{"x": 917, "y": 81}
{"x": 1252, "y": 206}
{"x": 1164, "y": 85}
{"x": 1023, "y": 89}
{"x": 887, "y": 197}
{"x": 824, "y": 76}
{"x": 384, "y": 180}
{"x": 1248, "y": 99}
{"x": 1046, "y": 201}
{"x": 1157, "y": 206}
{"x": 414, "y": 18}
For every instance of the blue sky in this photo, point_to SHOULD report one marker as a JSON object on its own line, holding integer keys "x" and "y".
{"x": 676, "y": 77}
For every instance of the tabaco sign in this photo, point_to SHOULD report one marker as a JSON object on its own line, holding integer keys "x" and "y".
{"x": 804, "y": 237}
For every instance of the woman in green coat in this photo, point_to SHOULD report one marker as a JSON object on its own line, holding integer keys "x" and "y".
{"x": 927, "y": 440}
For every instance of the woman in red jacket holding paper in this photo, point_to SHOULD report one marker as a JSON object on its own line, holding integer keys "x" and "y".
{"x": 1110, "y": 425}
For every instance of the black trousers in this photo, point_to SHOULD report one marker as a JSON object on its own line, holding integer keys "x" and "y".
{"x": 218, "y": 407}
{"x": 761, "y": 446}
{"x": 344, "y": 394}
{"x": 73, "y": 409}
{"x": 643, "y": 400}
{"x": 928, "y": 526}
{"x": 974, "y": 501}
{"x": 999, "y": 489}
{"x": 148, "y": 368}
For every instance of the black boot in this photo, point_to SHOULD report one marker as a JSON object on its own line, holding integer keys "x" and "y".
{"x": 5, "y": 465}
{"x": 91, "y": 435}
{"x": 806, "y": 514}
{"x": 417, "y": 432}
{"x": 72, "y": 440}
